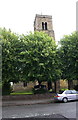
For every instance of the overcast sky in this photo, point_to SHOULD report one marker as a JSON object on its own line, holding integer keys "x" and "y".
{"x": 18, "y": 15}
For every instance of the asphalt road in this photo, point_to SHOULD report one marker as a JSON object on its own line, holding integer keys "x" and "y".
{"x": 67, "y": 110}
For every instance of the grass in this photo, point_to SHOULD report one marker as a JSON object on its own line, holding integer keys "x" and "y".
{"x": 22, "y": 93}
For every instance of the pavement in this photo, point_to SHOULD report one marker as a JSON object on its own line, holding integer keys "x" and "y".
{"x": 46, "y": 117}
{"x": 26, "y": 102}
{"x": 31, "y": 102}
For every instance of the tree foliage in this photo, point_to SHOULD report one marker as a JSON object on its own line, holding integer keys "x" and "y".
{"x": 36, "y": 57}
{"x": 28, "y": 57}
{"x": 10, "y": 50}
{"x": 69, "y": 56}
{"x": 39, "y": 58}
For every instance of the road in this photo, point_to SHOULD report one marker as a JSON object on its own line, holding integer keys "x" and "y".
{"x": 66, "y": 109}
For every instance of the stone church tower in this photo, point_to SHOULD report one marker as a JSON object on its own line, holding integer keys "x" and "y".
{"x": 44, "y": 23}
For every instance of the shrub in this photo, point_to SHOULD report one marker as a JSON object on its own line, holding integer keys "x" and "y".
{"x": 39, "y": 91}
{"x": 6, "y": 88}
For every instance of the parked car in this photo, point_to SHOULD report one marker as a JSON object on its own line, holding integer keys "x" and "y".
{"x": 66, "y": 95}
{"x": 39, "y": 89}
{"x": 36, "y": 87}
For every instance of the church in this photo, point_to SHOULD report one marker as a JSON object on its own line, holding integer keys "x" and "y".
{"x": 44, "y": 23}
{"x": 41, "y": 23}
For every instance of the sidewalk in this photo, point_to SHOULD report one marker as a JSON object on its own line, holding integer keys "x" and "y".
{"x": 26, "y": 102}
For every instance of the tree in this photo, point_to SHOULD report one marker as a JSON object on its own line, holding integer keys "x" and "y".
{"x": 39, "y": 59}
{"x": 11, "y": 47}
{"x": 69, "y": 57}
{"x": 28, "y": 57}
{"x": 9, "y": 41}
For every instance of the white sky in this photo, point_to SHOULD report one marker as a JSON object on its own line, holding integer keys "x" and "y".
{"x": 18, "y": 15}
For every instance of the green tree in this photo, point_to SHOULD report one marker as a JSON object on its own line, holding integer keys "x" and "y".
{"x": 11, "y": 47}
{"x": 39, "y": 59}
{"x": 28, "y": 58}
{"x": 9, "y": 41}
{"x": 69, "y": 57}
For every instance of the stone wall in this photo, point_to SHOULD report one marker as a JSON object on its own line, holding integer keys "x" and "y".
{"x": 63, "y": 84}
{"x": 27, "y": 97}
{"x": 38, "y": 24}
{"x": 20, "y": 87}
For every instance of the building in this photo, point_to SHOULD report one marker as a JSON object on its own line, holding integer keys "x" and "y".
{"x": 44, "y": 23}
{"x": 41, "y": 23}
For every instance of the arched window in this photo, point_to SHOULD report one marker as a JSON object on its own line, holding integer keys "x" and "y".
{"x": 42, "y": 25}
{"x": 45, "y": 25}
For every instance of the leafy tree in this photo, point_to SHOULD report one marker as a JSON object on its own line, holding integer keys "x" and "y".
{"x": 69, "y": 57}
{"x": 28, "y": 57}
{"x": 39, "y": 59}
{"x": 9, "y": 41}
{"x": 11, "y": 47}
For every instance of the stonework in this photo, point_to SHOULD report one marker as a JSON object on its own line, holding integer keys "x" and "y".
{"x": 44, "y": 23}
{"x": 17, "y": 87}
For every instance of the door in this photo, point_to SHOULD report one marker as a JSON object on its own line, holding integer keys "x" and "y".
{"x": 75, "y": 94}
{"x": 69, "y": 95}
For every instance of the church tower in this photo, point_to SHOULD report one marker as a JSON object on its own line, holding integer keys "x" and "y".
{"x": 44, "y": 23}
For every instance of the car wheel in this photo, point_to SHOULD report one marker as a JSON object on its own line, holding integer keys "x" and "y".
{"x": 65, "y": 100}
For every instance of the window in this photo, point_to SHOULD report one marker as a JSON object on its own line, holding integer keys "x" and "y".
{"x": 68, "y": 92}
{"x": 44, "y": 25}
{"x": 73, "y": 92}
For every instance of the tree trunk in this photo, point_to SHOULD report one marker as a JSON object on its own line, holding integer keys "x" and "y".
{"x": 39, "y": 82}
{"x": 70, "y": 84}
{"x": 55, "y": 87}
{"x": 25, "y": 84}
{"x": 49, "y": 85}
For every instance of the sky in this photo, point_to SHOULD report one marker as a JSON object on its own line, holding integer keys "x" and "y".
{"x": 19, "y": 15}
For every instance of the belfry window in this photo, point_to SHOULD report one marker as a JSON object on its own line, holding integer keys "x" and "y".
{"x": 44, "y": 25}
